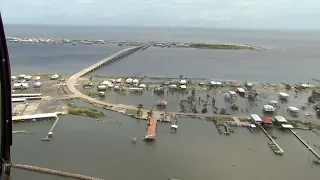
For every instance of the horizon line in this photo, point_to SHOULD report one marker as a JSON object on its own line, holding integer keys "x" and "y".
{"x": 165, "y": 27}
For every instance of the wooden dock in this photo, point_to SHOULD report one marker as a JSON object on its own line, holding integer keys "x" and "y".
{"x": 273, "y": 144}
{"x": 50, "y": 133}
{"x": 305, "y": 144}
{"x": 152, "y": 129}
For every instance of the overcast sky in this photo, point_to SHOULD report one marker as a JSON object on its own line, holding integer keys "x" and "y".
{"x": 283, "y": 14}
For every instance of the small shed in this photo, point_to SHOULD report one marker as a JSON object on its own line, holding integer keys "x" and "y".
{"x": 54, "y": 77}
{"x": 13, "y": 78}
{"x": 256, "y": 118}
{"x": 37, "y": 78}
{"x": 267, "y": 120}
{"x": 268, "y": 108}
{"x": 119, "y": 80}
{"x": 241, "y": 91}
{"x": 102, "y": 87}
{"x": 28, "y": 78}
{"x": 287, "y": 126}
{"x": 183, "y": 87}
{"x": 182, "y": 81}
{"x": 293, "y": 109}
{"x": 280, "y": 119}
{"x": 135, "y": 81}
{"x": 142, "y": 86}
{"x": 20, "y": 86}
{"x": 37, "y": 84}
{"x": 173, "y": 86}
{"x": 283, "y": 96}
{"x": 129, "y": 81}
{"x": 273, "y": 103}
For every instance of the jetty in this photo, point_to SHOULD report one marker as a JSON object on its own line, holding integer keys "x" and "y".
{"x": 306, "y": 144}
{"x": 50, "y": 133}
{"x": 273, "y": 144}
{"x": 151, "y": 130}
{"x": 54, "y": 172}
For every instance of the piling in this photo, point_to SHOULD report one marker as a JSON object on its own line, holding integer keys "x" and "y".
{"x": 274, "y": 146}
{"x": 306, "y": 144}
{"x": 54, "y": 172}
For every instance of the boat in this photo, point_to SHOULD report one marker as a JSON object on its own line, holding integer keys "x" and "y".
{"x": 174, "y": 126}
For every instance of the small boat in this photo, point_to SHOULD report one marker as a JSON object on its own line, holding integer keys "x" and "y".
{"x": 134, "y": 140}
{"x": 174, "y": 126}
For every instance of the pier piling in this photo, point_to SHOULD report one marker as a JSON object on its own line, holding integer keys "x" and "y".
{"x": 274, "y": 145}
{"x": 306, "y": 144}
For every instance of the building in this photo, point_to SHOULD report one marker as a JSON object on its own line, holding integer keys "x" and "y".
{"x": 280, "y": 120}
{"x": 267, "y": 121}
{"x": 283, "y": 96}
{"x": 268, "y": 108}
{"x": 256, "y": 119}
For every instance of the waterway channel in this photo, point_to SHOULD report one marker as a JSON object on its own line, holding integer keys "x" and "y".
{"x": 103, "y": 149}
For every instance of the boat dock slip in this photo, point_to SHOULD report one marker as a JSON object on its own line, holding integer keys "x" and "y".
{"x": 276, "y": 148}
{"x": 34, "y": 117}
{"x": 54, "y": 172}
{"x": 306, "y": 144}
{"x": 152, "y": 129}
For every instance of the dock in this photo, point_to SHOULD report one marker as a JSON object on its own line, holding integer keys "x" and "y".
{"x": 152, "y": 129}
{"x": 54, "y": 172}
{"x": 34, "y": 117}
{"x": 273, "y": 144}
{"x": 305, "y": 144}
{"x": 50, "y": 133}
{"x": 26, "y": 95}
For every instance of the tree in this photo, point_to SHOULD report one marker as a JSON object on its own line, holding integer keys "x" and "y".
{"x": 193, "y": 92}
{"x": 140, "y": 106}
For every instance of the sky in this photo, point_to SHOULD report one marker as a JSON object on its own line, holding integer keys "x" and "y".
{"x": 275, "y": 14}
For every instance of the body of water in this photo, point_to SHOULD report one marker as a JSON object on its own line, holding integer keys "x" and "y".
{"x": 104, "y": 149}
{"x": 196, "y": 151}
{"x": 291, "y": 56}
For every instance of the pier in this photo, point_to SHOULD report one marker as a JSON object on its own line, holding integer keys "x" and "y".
{"x": 50, "y": 133}
{"x": 273, "y": 144}
{"x": 54, "y": 172}
{"x": 152, "y": 129}
{"x": 306, "y": 144}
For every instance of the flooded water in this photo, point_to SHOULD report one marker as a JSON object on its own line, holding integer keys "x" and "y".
{"x": 148, "y": 99}
{"x": 195, "y": 151}
{"x": 274, "y": 65}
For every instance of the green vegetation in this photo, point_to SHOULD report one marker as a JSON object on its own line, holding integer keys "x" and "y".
{"x": 223, "y": 46}
{"x": 150, "y": 113}
{"x": 85, "y": 111}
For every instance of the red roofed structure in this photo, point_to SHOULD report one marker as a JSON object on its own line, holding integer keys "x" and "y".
{"x": 267, "y": 120}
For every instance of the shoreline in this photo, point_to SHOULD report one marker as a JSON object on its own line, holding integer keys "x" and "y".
{"x": 212, "y": 46}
